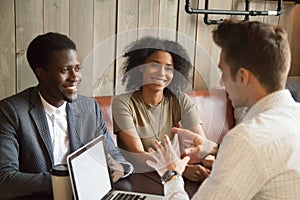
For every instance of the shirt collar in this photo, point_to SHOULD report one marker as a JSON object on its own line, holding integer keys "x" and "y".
{"x": 50, "y": 109}
{"x": 273, "y": 100}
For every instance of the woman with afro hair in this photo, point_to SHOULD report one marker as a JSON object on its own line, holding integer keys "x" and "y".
{"x": 155, "y": 75}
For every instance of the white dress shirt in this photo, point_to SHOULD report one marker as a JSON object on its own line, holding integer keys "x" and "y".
{"x": 258, "y": 159}
{"x": 58, "y": 127}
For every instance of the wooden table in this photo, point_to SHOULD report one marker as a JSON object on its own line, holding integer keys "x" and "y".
{"x": 150, "y": 183}
{"x": 139, "y": 183}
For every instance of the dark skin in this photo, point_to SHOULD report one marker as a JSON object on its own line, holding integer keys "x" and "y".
{"x": 58, "y": 82}
{"x": 59, "y": 79}
{"x": 158, "y": 73}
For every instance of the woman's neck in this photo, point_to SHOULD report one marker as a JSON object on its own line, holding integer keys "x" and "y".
{"x": 150, "y": 97}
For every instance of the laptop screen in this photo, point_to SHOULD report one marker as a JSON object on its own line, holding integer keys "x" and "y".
{"x": 89, "y": 171}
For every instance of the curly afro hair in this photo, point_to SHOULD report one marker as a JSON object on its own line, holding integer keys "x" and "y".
{"x": 136, "y": 54}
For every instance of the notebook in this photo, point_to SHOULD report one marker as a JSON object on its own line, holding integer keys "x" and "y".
{"x": 90, "y": 175}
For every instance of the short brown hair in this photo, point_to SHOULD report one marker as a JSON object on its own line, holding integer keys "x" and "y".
{"x": 261, "y": 48}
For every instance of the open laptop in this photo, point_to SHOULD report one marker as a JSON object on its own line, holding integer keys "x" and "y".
{"x": 90, "y": 175}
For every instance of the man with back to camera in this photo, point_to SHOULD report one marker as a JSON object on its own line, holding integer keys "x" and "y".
{"x": 259, "y": 157}
{"x": 42, "y": 125}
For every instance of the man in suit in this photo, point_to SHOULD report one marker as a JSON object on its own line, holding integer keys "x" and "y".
{"x": 42, "y": 125}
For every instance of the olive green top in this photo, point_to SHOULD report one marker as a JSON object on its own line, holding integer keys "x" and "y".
{"x": 130, "y": 111}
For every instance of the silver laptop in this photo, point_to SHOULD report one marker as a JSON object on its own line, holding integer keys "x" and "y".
{"x": 90, "y": 175}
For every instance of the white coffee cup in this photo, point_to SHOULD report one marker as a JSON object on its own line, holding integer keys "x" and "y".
{"x": 61, "y": 184}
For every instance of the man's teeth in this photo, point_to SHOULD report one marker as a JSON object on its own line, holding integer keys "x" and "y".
{"x": 72, "y": 87}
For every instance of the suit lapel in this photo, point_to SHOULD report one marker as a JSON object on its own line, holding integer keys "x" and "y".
{"x": 39, "y": 117}
{"x": 74, "y": 126}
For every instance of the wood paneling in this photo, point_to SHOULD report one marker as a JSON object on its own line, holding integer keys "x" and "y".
{"x": 186, "y": 36}
{"x": 148, "y": 18}
{"x": 102, "y": 29}
{"x": 7, "y": 49}
{"x": 286, "y": 19}
{"x": 207, "y": 53}
{"x": 295, "y": 43}
{"x": 127, "y": 32}
{"x": 29, "y": 24}
{"x": 82, "y": 33}
{"x": 104, "y": 47}
{"x": 271, "y": 5}
{"x": 57, "y": 16}
{"x": 168, "y": 19}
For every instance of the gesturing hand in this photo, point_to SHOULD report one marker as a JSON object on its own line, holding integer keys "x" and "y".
{"x": 191, "y": 140}
{"x": 116, "y": 169}
{"x": 195, "y": 144}
{"x": 166, "y": 158}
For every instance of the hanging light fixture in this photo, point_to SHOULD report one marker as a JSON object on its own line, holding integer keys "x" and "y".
{"x": 247, "y": 12}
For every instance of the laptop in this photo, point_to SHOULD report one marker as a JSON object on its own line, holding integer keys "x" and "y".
{"x": 90, "y": 175}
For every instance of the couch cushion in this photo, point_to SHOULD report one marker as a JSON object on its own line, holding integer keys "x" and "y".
{"x": 215, "y": 111}
{"x": 105, "y": 106}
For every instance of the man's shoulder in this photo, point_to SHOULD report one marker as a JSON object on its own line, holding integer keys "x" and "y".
{"x": 84, "y": 100}
{"x": 20, "y": 97}
{"x": 84, "y": 105}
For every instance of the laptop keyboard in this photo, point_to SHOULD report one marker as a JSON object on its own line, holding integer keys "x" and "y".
{"x": 123, "y": 196}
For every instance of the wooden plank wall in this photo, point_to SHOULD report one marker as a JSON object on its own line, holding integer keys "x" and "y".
{"x": 102, "y": 28}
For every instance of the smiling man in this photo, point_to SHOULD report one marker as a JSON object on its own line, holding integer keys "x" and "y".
{"x": 259, "y": 157}
{"x": 42, "y": 125}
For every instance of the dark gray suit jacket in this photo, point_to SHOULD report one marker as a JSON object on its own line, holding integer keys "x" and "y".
{"x": 26, "y": 153}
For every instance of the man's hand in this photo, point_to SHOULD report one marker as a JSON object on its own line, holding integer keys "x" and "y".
{"x": 196, "y": 173}
{"x": 166, "y": 158}
{"x": 116, "y": 169}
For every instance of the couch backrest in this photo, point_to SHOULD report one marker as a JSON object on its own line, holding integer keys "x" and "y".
{"x": 214, "y": 109}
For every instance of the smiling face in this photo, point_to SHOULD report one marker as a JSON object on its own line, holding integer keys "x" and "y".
{"x": 158, "y": 71}
{"x": 59, "y": 80}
